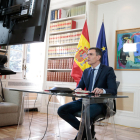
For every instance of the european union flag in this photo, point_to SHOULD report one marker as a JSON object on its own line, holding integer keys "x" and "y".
{"x": 101, "y": 44}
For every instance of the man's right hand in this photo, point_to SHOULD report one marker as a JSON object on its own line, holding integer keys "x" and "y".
{"x": 78, "y": 89}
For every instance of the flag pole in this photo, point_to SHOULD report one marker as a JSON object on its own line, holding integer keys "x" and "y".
{"x": 87, "y": 4}
{"x": 86, "y": 16}
{"x": 103, "y": 18}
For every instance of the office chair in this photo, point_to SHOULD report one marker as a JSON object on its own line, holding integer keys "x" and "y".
{"x": 112, "y": 108}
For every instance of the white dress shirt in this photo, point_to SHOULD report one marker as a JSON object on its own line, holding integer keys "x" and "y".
{"x": 94, "y": 77}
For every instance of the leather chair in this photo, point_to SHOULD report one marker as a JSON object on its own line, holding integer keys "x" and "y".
{"x": 100, "y": 117}
{"x": 10, "y": 108}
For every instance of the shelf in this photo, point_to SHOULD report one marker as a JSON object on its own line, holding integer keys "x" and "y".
{"x": 61, "y": 57}
{"x": 61, "y": 83}
{"x": 66, "y": 31}
{"x": 69, "y": 18}
{"x": 66, "y": 44}
{"x": 59, "y": 69}
{"x": 3, "y": 50}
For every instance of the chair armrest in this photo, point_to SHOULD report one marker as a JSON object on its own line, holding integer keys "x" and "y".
{"x": 12, "y": 96}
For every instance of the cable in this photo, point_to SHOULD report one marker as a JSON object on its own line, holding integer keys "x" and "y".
{"x": 47, "y": 117}
{"x": 31, "y": 119}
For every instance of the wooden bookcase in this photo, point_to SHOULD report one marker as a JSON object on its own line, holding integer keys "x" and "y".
{"x": 60, "y": 53}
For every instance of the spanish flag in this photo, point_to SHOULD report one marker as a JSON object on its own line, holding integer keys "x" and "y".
{"x": 80, "y": 59}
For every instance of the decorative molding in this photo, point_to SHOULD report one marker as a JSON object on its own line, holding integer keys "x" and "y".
{"x": 127, "y": 118}
{"x": 63, "y": 3}
{"x": 136, "y": 91}
{"x": 127, "y": 121}
{"x": 55, "y": 4}
{"x": 73, "y": 2}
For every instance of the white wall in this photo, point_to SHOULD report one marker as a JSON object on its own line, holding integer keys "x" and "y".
{"x": 120, "y": 14}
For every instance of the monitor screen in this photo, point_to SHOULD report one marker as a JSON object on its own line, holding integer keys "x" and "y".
{"x": 26, "y": 18}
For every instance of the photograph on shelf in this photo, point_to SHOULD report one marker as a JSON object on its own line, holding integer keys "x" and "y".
{"x": 127, "y": 51}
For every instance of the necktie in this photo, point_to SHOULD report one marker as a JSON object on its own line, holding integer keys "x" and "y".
{"x": 91, "y": 80}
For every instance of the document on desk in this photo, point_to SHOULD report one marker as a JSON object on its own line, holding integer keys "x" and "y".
{"x": 82, "y": 93}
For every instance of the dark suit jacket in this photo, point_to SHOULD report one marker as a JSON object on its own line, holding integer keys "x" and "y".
{"x": 105, "y": 79}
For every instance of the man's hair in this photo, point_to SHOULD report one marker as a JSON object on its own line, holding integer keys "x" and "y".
{"x": 98, "y": 51}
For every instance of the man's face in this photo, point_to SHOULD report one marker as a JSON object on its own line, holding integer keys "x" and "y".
{"x": 92, "y": 57}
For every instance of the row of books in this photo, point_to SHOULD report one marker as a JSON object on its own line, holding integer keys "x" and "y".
{"x": 62, "y": 51}
{"x": 60, "y": 63}
{"x": 62, "y": 26}
{"x": 65, "y": 38}
{"x": 77, "y": 10}
{"x": 63, "y": 13}
{"x": 60, "y": 76}
{"x": 58, "y": 14}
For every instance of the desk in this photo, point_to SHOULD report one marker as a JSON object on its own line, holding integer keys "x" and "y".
{"x": 86, "y": 101}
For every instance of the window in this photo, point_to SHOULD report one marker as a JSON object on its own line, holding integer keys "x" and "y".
{"x": 16, "y": 56}
{"x": 27, "y": 60}
{"x": 35, "y": 61}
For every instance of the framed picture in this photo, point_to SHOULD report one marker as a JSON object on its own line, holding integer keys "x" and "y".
{"x": 127, "y": 49}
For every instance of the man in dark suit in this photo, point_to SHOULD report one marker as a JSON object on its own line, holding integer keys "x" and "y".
{"x": 99, "y": 79}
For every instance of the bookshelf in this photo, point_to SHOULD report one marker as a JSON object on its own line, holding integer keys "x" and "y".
{"x": 63, "y": 44}
{"x": 82, "y": 16}
{"x": 63, "y": 39}
{"x": 67, "y": 31}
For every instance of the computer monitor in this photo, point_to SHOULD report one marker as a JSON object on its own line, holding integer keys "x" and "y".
{"x": 26, "y": 18}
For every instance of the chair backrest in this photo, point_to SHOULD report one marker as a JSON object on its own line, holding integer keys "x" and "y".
{"x": 114, "y": 101}
{"x": 102, "y": 117}
{"x": 117, "y": 83}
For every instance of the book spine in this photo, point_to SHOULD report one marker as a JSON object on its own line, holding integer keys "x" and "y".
{"x": 47, "y": 76}
{"x": 74, "y": 36}
{"x": 60, "y": 13}
{"x": 63, "y": 13}
{"x": 53, "y": 15}
{"x": 52, "y": 12}
{"x": 56, "y": 76}
{"x": 56, "y": 14}
{"x": 73, "y": 24}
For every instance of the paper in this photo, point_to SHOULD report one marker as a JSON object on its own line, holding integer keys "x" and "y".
{"x": 24, "y": 12}
{"x": 82, "y": 91}
{"x": 80, "y": 94}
